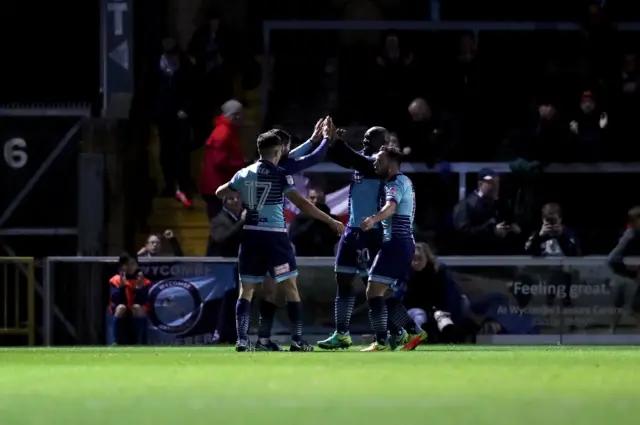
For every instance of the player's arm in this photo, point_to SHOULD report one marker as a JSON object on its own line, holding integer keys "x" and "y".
{"x": 310, "y": 210}
{"x": 615, "y": 259}
{"x": 393, "y": 195}
{"x": 230, "y": 187}
{"x": 346, "y": 157}
{"x": 296, "y": 165}
{"x": 301, "y": 150}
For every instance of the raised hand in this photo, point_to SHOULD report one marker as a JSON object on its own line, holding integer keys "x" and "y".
{"x": 328, "y": 129}
{"x": 316, "y": 136}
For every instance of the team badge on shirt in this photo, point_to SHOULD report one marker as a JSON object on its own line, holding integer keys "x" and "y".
{"x": 392, "y": 191}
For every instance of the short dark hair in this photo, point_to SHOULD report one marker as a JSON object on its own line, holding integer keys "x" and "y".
{"x": 125, "y": 257}
{"x": 393, "y": 152}
{"x": 284, "y": 135}
{"x": 551, "y": 208}
{"x": 268, "y": 140}
{"x": 634, "y": 213}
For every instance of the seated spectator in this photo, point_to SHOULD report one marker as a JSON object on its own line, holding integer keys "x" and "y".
{"x": 154, "y": 245}
{"x": 226, "y": 228}
{"x": 310, "y": 237}
{"x": 173, "y": 107}
{"x": 588, "y": 126}
{"x": 554, "y": 239}
{"x": 129, "y": 291}
{"x": 476, "y": 220}
{"x": 433, "y": 299}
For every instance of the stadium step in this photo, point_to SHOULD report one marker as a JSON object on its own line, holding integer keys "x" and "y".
{"x": 171, "y": 204}
{"x": 190, "y": 226}
{"x": 175, "y": 220}
{"x": 194, "y": 247}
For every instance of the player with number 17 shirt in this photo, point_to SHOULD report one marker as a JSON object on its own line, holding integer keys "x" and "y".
{"x": 266, "y": 248}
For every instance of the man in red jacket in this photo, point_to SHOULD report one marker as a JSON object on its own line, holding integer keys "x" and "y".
{"x": 223, "y": 155}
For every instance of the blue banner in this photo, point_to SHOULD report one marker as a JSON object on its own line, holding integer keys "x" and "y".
{"x": 185, "y": 299}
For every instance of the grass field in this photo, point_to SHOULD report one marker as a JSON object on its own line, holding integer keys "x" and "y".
{"x": 436, "y": 386}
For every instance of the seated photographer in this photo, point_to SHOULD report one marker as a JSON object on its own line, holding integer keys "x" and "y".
{"x": 433, "y": 299}
{"x": 128, "y": 293}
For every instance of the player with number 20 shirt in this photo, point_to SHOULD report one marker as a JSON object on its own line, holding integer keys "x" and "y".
{"x": 356, "y": 248}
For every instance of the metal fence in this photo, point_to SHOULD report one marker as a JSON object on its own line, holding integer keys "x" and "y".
{"x": 17, "y": 292}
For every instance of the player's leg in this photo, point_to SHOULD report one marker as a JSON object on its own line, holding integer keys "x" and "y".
{"x": 268, "y": 309}
{"x": 378, "y": 313}
{"x": 251, "y": 268}
{"x": 412, "y": 334}
{"x": 389, "y": 267}
{"x": 346, "y": 269}
{"x": 243, "y": 312}
{"x": 294, "y": 311}
{"x": 284, "y": 271}
{"x": 119, "y": 315}
{"x": 139, "y": 316}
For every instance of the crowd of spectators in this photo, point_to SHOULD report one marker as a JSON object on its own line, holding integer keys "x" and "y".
{"x": 529, "y": 98}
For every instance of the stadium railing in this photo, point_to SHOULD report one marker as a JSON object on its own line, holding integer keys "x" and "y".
{"x": 533, "y": 300}
{"x": 17, "y": 292}
{"x": 464, "y": 168}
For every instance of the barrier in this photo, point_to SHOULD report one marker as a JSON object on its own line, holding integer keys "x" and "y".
{"x": 527, "y": 300}
{"x": 464, "y": 168}
{"x": 17, "y": 292}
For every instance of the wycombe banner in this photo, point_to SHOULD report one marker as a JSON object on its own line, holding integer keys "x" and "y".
{"x": 184, "y": 299}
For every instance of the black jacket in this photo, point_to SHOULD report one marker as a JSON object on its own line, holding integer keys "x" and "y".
{"x": 312, "y": 238}
{"x": 565, "y": 244}
{"x": 174, "y": 92}
{"x": 226, "y": 234}
{"x": 628, "y": 246}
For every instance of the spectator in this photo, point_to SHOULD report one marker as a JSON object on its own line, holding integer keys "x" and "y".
{"x": 475, "y": 219}
{"x": 554, "y": 239}
{"x": 225, "y": 239}
{"x": 173, "y": 106}
{"x": 462, "y": 95}
{"x": 154, "y": 245}
{"x": 424, "y": 134}
{"x": 310, "y": 237}
{"x": 395, "y": 77}
{"x": 223, "y": 155}
{"x": 212, "y": 71}
{"x": 129, "y": 291}
{"x": 433, "y": 298}
{"x": 226, "y": 228}
{"x": 588, "y": 127}
{"x": 626, "y": 276}
{"x": 627, "y": 105}
{"x": 550, "y": 136}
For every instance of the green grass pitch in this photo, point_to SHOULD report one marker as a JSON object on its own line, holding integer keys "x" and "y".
{"x": 436, "y": 386}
